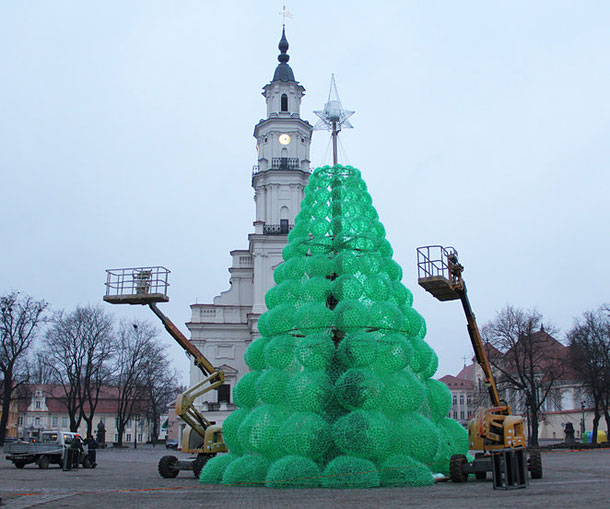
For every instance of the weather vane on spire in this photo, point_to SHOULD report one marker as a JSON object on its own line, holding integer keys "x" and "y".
{"x": 333, "y": 117}
{"x": 285, "y": 14}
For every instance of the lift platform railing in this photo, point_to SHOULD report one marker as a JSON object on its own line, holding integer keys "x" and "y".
{"x": 432, "y": 261}
{"x": 438, "y": 271}
{"x": 137, "y": 285}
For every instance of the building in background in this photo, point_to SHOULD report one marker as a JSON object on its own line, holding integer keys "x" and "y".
{"x": 13, "y": 415}
{"x": 462, "y": 398}
{"x": 175, "y": 425}
{"x": 224, "y": 329}
{"x": 163, "y": 427}
{"x": 568, "y": 399}
{"x": 43, "y": 407}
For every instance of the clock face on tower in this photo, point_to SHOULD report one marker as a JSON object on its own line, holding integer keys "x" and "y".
{"x": 284, "y": 139}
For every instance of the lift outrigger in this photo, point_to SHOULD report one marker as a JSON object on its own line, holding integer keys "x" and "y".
{"x": 495, "y": 432}
{"x": 202, "y": 437}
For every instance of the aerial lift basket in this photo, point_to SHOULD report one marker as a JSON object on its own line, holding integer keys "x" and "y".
{"x": 433, "y": 272}
{"x": 137, "y": 285}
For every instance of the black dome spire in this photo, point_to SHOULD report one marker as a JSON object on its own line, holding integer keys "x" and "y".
{"x": 283, "y": 47}
{"x": 283, "y": 72}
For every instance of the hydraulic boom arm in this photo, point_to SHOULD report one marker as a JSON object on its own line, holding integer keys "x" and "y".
{"x": 147, "y": 286}
{"x": 493, "y": 428}
{"x": 459, "y": 286}
{"x": 200, "y": 360}
{"x": 479, "y": 351}
{"x": 213, "y": 378}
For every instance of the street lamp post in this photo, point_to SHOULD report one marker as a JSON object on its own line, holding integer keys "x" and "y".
{"x": 582, "y": 421}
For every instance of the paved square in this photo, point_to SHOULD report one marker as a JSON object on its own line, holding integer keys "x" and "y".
{"x": 128, "y": 478}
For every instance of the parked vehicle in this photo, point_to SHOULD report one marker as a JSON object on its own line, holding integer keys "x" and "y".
{"x": 50, "y": 449}
{"x": 172, "y": 443}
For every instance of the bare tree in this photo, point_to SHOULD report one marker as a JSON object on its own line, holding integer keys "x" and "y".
{"x": 136, "y": 343}
{"x": 100, "y": 347}
{"x": 79, "y": 346}
{"x": 589, "y": 341}
{"x": 529, "y": 360}
{"x": 160, "y": 383}
{"x": 20, "y": 319}
{"x": 39, "y": 369}
{"x": 64, "y": 350}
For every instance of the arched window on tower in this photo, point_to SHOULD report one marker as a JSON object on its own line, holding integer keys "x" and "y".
{"x": 284, "y": 105}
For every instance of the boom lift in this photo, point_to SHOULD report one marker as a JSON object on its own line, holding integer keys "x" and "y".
{"x": 495, "y": 433}
{"x": 203, "y": 438}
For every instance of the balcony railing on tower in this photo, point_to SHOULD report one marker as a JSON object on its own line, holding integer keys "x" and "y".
{"x": 285, "y": 163}
{"x": 277, "y": 229}
{"x": 281, "y": 163}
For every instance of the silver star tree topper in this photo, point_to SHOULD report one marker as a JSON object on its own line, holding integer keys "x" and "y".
{"x": 333, "y": 117}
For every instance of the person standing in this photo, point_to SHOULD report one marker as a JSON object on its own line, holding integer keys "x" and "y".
{"x": 76, "y": 448}
{"x": 91, "y": 444}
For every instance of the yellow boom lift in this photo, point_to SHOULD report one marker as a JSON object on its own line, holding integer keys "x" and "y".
{"x": 202, "y": 438}
{"x": 496, "y": 434}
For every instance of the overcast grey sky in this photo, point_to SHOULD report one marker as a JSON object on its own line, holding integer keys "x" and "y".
{"x": 126, "y": 139}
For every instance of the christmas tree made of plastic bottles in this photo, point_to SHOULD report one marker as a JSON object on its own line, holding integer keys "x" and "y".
{"x": 340, "y": 394}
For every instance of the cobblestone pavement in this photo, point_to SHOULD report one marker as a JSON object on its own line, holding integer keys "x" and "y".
{"x": 128, "y": 478}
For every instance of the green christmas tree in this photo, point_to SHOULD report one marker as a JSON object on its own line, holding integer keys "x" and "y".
{"x": 340, "y": 394}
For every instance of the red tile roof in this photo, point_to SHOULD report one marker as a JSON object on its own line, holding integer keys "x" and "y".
{"x": 467, "y": 372}
{"x": 55, "y": 399}
{"x": 453, "y": 382}
{"x": 548, "y": 353}
{"x": 552, "y": 351}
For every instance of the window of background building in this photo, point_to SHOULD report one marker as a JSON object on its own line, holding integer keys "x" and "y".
{"x": 37, "y": 422}
{"x": 38, "y": 404}
{"x": 116, "y": 437}
{"x": 455, "y": 399}
{"x": 462, "y": 414}
{"x": 128, "y": 423}
{"x": 567, "y": 401}
{"x": 139, "y": 437}
{"x": 64, "y": 421}
{"x": 224, "y": 392}
{"x": 461, "y": 400}
{"x": 128, "y": 437}
{"x": 54, "y": 422}
{"x": 20, "y": 421}
{"x": 469, "y": 400}
{"x": 455, "y": 415}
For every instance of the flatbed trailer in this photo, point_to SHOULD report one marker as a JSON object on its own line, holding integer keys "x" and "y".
{"x": 48, "y": 451}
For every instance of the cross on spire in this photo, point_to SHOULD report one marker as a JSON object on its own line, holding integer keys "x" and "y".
{"x": 285, "y": 14}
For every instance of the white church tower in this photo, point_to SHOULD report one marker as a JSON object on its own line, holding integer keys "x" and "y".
{"x": 223, "y": 330}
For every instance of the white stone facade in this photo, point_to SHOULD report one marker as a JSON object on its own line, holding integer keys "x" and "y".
{"x": 224, "y": 329}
